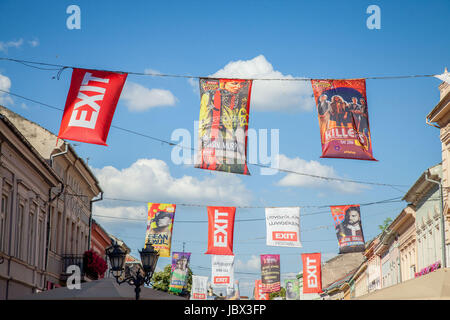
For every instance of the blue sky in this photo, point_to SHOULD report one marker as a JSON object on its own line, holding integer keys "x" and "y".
{"x": 326, "y": 39}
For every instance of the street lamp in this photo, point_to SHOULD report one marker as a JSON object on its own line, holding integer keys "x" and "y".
{"x": 149, "y": 258}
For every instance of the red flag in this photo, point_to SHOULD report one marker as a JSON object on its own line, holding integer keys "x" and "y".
{"x": 90, "y": 105}
{"x": 343, "y": 118}
{"x": 259, "y": 294}
{"x": 312, "y": 273}
{"x": 220, "y": 230}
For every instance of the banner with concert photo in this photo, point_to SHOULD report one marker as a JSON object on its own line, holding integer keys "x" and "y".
{"x": 347, "y": 223}
{"x": 224, "y": 111}
{"x": 159, "y": 227}
{"x": 270, "y": 272}
{"x": 179, "y": 273}
{"x": 343, "y": 118}
{"x": 292, "y": 288}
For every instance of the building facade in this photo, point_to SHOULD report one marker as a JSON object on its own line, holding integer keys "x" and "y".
{"x": 28, "y": 185}
{"x": 68, "y": 220}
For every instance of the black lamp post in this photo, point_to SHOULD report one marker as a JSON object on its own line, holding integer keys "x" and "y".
{"x": 149, "y": 258}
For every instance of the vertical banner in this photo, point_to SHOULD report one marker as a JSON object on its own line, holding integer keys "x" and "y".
{"x": 220, "y": 230}
{"x": 292, "y": 289}
{"x": 347, "y": 223}
{"x": 159, "y": 227}
{"x": 199, "y": 288}
{"x": 270, "y": 272}
{"x": 90, "y": 105}
{"x": 312, "y": 273}
{"x": 233, "y": 291}
{"x": 224, "y": 110}
{"x": 343, "y": 118}
{"x": 180, "y": 263}
{"x": 283, "y": 227}
{"x": 222, "y": 271}
{"x": 258, "y": 293}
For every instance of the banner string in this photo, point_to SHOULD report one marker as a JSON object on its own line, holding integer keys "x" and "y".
{"x": 35, "y": 64}
{"x": 193, "y": 149}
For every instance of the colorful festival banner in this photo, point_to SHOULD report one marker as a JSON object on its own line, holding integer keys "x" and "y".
{"x": 343, "y": 118}
{"x": 222, "y": 271}
{"x": 347, "y": 222}
{"x": 159, "y": 227}
{"x": 90, "y": 105}
{"x": 180, "y": 263}
{"x": 220, "y": 230}
{"x": 224, "y": 110}
{"x": 258, "y": 293}
{"x": 283, "y": 227}
{"x": 270, "y": 272}
{"x": 312, "y": 273}
{"x": 199, "y": 288}
{"x": 292, "y": 289}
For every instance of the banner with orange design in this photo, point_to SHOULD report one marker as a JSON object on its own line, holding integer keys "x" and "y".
{"x": 347, "y": 223}
{"x": 343, "y": 118}
{"x": 159, "y": 227}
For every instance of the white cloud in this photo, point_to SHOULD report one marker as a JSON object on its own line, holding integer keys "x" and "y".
{"x": 140, "y": 98}
{"x": 151, "y": 180}
{"x": 4, "y": 46}
{"x": 34, "y": 43}
{"x": 313, "y": 168}
{"x": 5, "y": 85}
{"x": 269, "y": 95}
{"x": 253, "y": 264}
{"x": 151, "y": 71}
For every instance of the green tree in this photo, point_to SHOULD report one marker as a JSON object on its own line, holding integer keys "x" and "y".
{"x": 161, "y": 280}
{"x": 281, "y": 293}
{"x": 385, "y": 224}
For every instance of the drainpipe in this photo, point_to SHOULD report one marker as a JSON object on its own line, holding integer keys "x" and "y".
{"x": 90, "y": 218}
{"x": 58, "y": 154}
{"x": 444, "y": 256}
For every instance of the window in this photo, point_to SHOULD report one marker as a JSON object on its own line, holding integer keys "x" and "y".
{"x": 31, "y": 240}
{"x": 3, "y": 216}
{"x": 59, "y": 232}
{"x": 40, "y": 243}
{"x": 19, "y": 232}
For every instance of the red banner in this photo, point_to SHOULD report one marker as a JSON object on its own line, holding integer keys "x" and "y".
{"x": 224, "y": 110}
{"x": 259, "y": 294}
{"x": 343, "y": 119}
{"x": 347, "y": 223}
{"x": 312, "y": 273}
{"x": 220, "y": 230}
{"x": 90, "y": 105}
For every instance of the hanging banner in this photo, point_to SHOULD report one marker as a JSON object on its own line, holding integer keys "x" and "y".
{"x": 180, "y": 263}
{"x": 199, "y": 289}
{"x": 222, "y": 271}
{"x": 220, "y": 230}
{"x": 283, "y": 227}
{"x": 233, "y": 291}
{"x": 347, "y": 223}
{"x": 258, "y": 293}
{"x": 343, "y": 119}
{"x": 90, "y": 105}
{"x": 270, "y": 272}
{"x": 312, "y": 273}
{"x": 292, "y": 289}
{"x": 224, "y": 110}
{"x": 159, "y": 227}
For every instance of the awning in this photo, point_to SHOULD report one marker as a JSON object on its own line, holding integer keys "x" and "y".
{"x": 104, "y": 289}
{"x": 432, "y": 286}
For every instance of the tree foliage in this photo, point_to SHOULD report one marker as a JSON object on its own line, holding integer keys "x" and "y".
{"x": 161, "y": 281}
{"x": 281, "y": 293}
{"x": 385, "y": 224}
